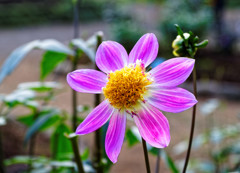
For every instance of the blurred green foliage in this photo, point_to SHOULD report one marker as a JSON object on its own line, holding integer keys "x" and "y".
{"x": 124, "y": 28}
{"x": 233, "y": 4}
{"x": 191, "y": 15}
{"x": 36, "y": 97}
{"x": 38, "y": 12}
{"x": 127, "y": 33}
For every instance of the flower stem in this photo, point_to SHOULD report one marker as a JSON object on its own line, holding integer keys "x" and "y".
{"x": 76, "y": 18}
{"x": 158, "y": 162}
{"x": 74, "y": 104}
{"x": 76, "y": 152}
{"x": 74, "y": 65}
{"x": 2, "y": 166}
{"x": 32, "y": 143}
{"x": 31, "y": 152}
{"x": 146, "y": 155}
{"x": 193, "y": 121}
{"x": 98, "y": 152}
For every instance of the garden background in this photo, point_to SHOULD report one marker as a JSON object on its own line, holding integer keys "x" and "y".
{"x": 218, "y": 112}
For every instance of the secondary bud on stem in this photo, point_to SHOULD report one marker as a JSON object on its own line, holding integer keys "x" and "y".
{"x": 186, "y": 44}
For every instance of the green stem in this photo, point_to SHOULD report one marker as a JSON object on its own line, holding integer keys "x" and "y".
{"x": 98, "y": 153}
{"x": 31, "y": 152}
{"x": 76, "y": 152}
{"x": 2, "y": 166}
{"x": 74, "y": 103}
{"x": 157, "y": 170}
{"x": 74, "y": 64}
{"x": 76, "y": 18}
{"x": 54, "y": 149}
{"x": 54, "y": 152}
{"x": 146, "y": 156}
{"x": 32, "y": 144}
{"x": 193, "y": 121}
{"x": 74, "y": 93}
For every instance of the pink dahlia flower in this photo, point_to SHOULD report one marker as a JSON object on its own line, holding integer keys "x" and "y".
{"x": 129, "y": 89}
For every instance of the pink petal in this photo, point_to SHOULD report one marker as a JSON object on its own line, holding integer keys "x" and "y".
{"x": 153, "y": 126}
{"x": 115, "y": 135}
{"x": 173, "y": 72}
{"x": 111, "y": 56}
{"x": 146, "y": 49}
{"x": 97, "y": 118}
{"x": 172, "y": 100}
{"x": 87, "y": 81}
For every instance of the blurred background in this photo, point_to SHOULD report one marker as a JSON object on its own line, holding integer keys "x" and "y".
{"x": 125, "y": 21}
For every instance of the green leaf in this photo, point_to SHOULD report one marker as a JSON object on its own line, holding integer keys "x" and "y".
{"x": 53, "y": 120}
{"x": 19, "y": 97}
{"x": 60, "y": 145}
{"x": 202, "y": 44}
{"x": 28, "y": 120}
{"x": 190, "y": 52}
{"x": 131, "y": 138}
{"x": 24, "y": 160}
{"x": 68, "y": 164}
{"x": 85, "y": 154}
{"x": 50, "y": 61}
{"x": 168, "y": 160}
{"x": 39, "y": 86}
{"x": 54, "y": 46}
{"x": 20, "y": 53}
{"x": 225, "y": 152}
{"x": 180, "y": 32}
{"x": 196, "y": 38}
{"x": 39, "y": 123}
{"x": 83, "y": 46}
{"x": 154, "y": 150}
{"x": 15, "y": 58}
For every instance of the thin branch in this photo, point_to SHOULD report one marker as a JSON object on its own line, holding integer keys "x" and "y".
{"x": 74, "y": 63}
{"x": 193, "y": 122}
{"x": 158, "y": 162}
{"x": 98, "y": 151}
{"x": 78, "y": 160}
{"x": 146, "y": 155}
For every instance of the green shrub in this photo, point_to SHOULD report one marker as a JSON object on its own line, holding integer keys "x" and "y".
{"x": 27, "y": 13}
{"x": 127, "y": 33}
{"x": 190, "y": 15}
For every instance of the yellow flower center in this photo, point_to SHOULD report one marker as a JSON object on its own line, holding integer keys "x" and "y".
{"x": 126, "y": 87}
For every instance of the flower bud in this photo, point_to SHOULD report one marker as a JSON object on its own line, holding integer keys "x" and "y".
{"x": 178, "y": 45}
{"x": 179, "y": 40}
{"x": 186, "y": 44}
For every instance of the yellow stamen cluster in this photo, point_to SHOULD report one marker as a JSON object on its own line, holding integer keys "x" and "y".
{"x": 126, "y": 87}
